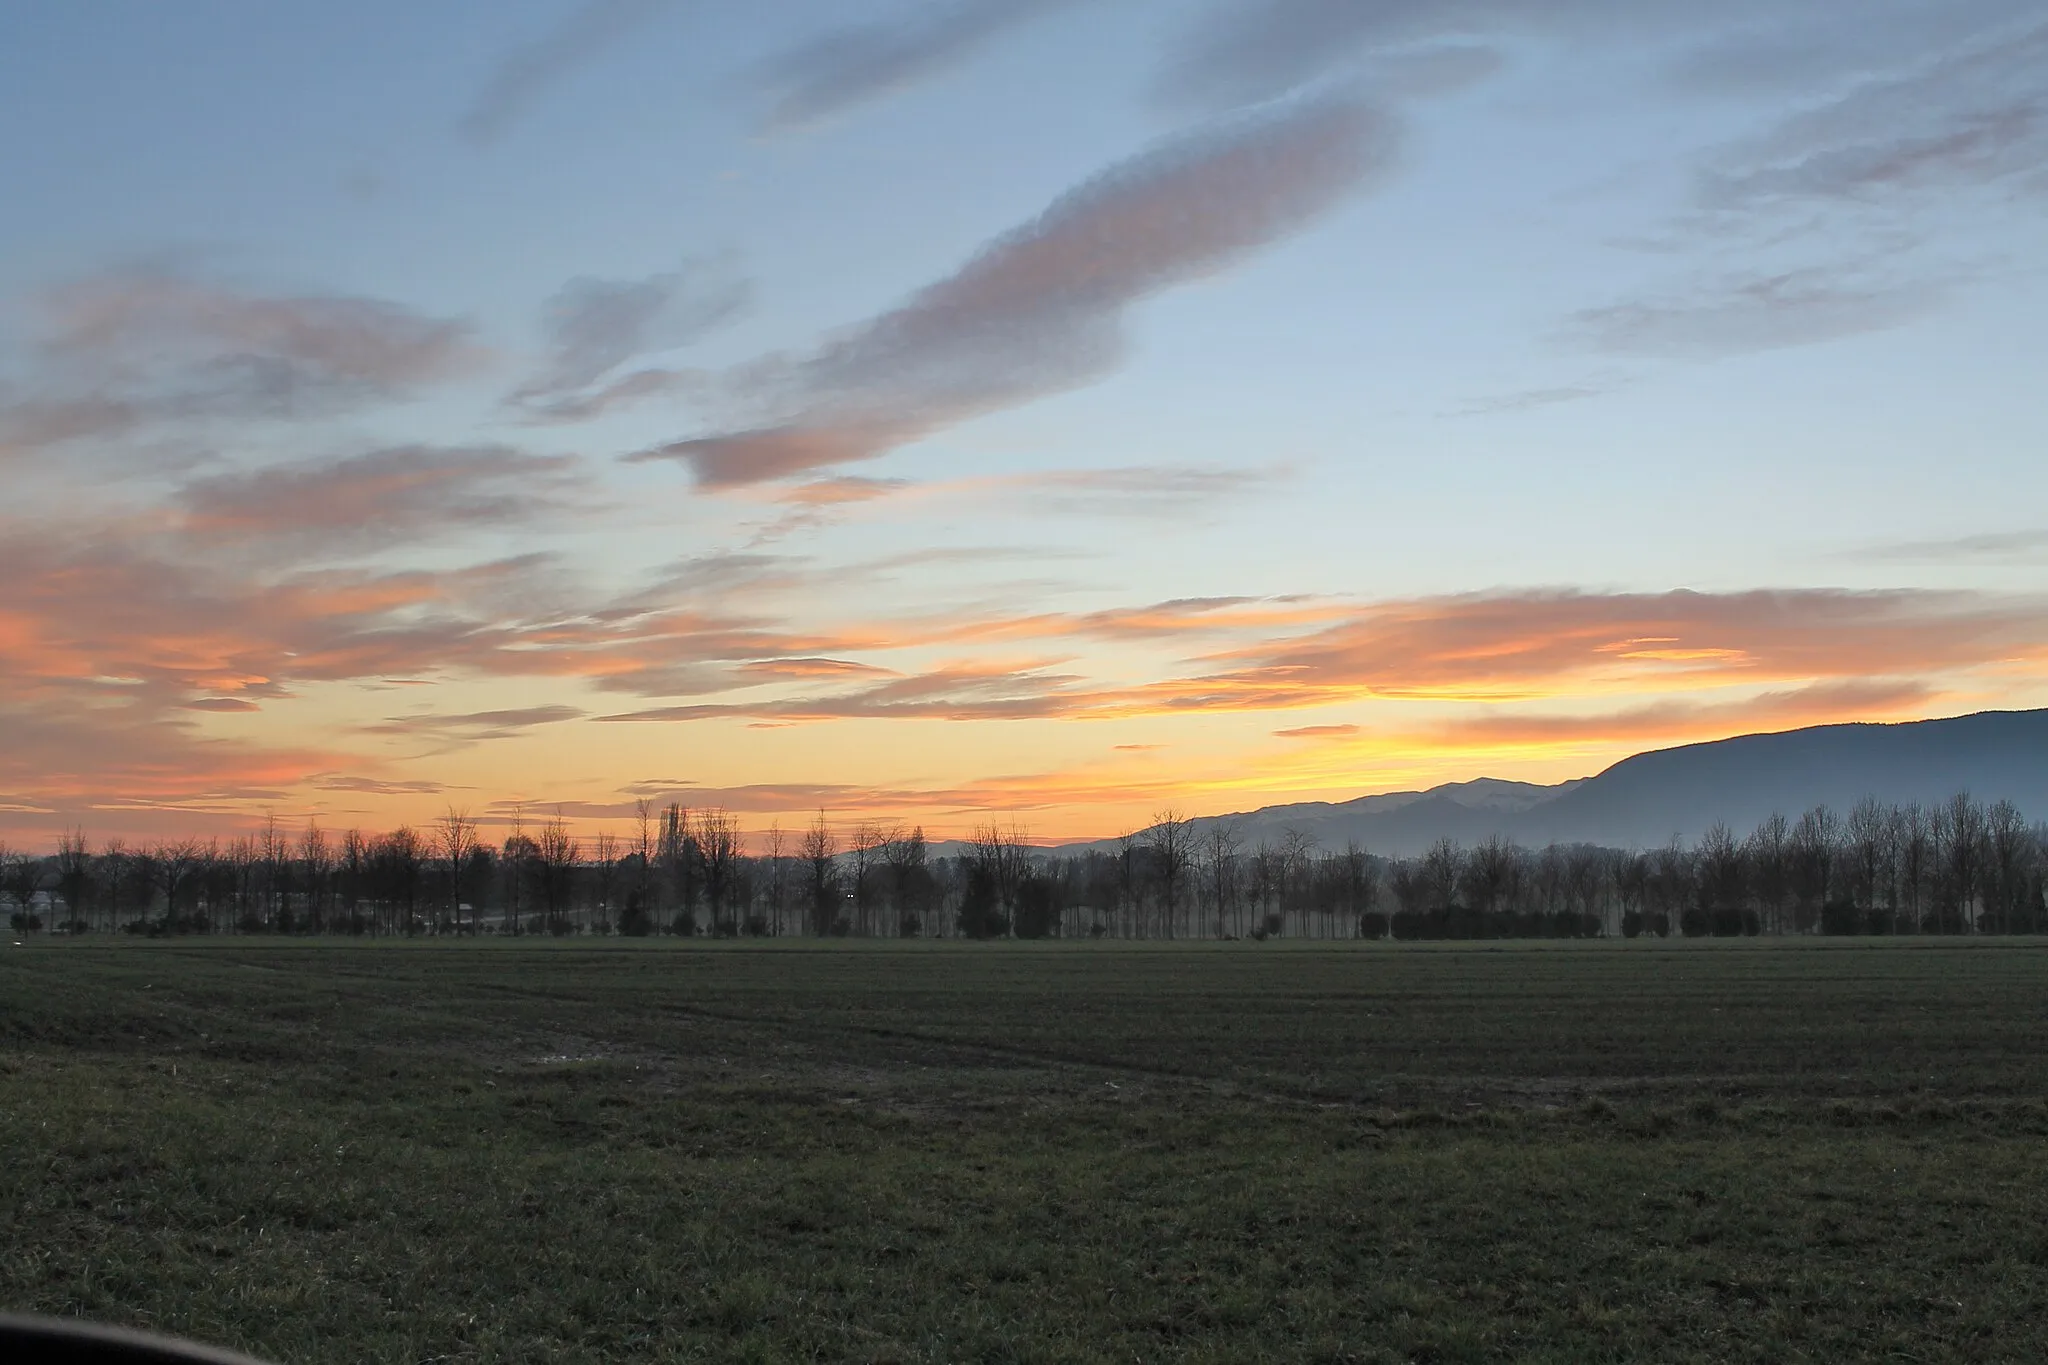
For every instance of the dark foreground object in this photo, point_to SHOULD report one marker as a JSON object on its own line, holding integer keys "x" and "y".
{"x": 53, "y": 1341}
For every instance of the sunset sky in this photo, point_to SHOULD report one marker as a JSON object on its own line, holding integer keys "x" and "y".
{"x": 1047, "y": 410}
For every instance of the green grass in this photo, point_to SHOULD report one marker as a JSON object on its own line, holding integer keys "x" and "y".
{"x": 950, "y": 1152}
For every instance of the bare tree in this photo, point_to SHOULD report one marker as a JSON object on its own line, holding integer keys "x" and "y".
{"x": 1958, "y": 837}
{"x": 1491, "y": 874}
{"x": 316, "y": 868}
{"x": 1220, "y": 845}
{"x": 456, "y": 839}
{"x": 718, "y": 848}
{"x": 1172, "y": 845}
{"x": 1127, "y": 881}
{"x": 1297, "y": 853}
{"x": 778, "y": 876}
{"x": 1442, "y": 867}
{"x": 1770, "y": 856}
{"x": 606, "y": 852}
{"x": 817, "y": 849}
{"x": 1361, "y": 887}
{"x": 557, "y": 854}
{"x": 1865, "y": 840}
{"x": 998, "y": 854}
{"x": 2007, "y": 845}
{"x": 74, "y": 876}
{"x": 680, "y": 859}
{"x": 910, "y": 880}
{"x": 355, "y": 875}
{"x": 1722, "y": 871}
{"x": 864, "y": 854}
{"x": 276, "y": 847}
{"x": 173, "y": 865}
{"x": 1910, "y": 834}
{"x": 1815, "y": 851}
{"x": 402, "y": 854}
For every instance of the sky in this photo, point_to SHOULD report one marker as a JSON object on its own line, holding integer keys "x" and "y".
{"x": 1052, "y": 412}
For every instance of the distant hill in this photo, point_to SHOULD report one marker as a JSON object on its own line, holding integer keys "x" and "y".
{"x": 1645, "y": 800}
{"x": 1650, "y": 797}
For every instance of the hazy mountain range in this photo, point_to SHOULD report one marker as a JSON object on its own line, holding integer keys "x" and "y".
{"x": 1645, "y": 800}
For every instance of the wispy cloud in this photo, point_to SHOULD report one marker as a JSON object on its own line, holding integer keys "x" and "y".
{"x": 1040, "y": 309}
{"x": 594, "y": 326}
{"x": 1240, "y": 52}
{"x": 532, "y": 69}
{"x": 1759, "y": 313}
{"x": 375, "y": 786}
{"x": 1971, "y": 116}
{"x": 1136, "y": 491}
{"x": 1902, "y": 110}
{"x": 1127, "y": 490}
{"x": 1522, "y": 400}
{"x": 851, "y": 65}
{"x": 1990, "y": 545}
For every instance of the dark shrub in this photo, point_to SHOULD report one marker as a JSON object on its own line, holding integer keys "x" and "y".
{"x": 1038, "y": 908}
{"x": 1372, "y": 924}
{"x": 1694, "y": 924}
{"x": 1840, "y": 917}
{"x": 1632, "y": 924}
{"x": 634, "y": 921}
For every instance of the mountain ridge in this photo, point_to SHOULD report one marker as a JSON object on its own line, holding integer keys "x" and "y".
{"x": 1651, "y": 797}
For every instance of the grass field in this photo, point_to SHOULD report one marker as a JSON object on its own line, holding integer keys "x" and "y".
{"x": 947, "y": 1152}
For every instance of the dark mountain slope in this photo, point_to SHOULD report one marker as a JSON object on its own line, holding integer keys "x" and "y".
{"x": 1645, "y": 800}
{"x": 1650, "y": 797}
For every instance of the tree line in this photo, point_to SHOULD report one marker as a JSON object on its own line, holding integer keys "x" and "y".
{"x": 1957, "y": 867}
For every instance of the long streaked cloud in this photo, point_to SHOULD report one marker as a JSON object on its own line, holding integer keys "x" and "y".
{"x": 134, "y": 350}
{"x": 1684, "y": 720}
{"x": 1040, "y": 309}
{"x": 529, "y": 71}
{"x": 405, "y": 494}
{"x": 850, "y": 65}
{"x": 473, "y": 727}
{"x": 1510, "y": 644}
{"x": 1498, "y": 648}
